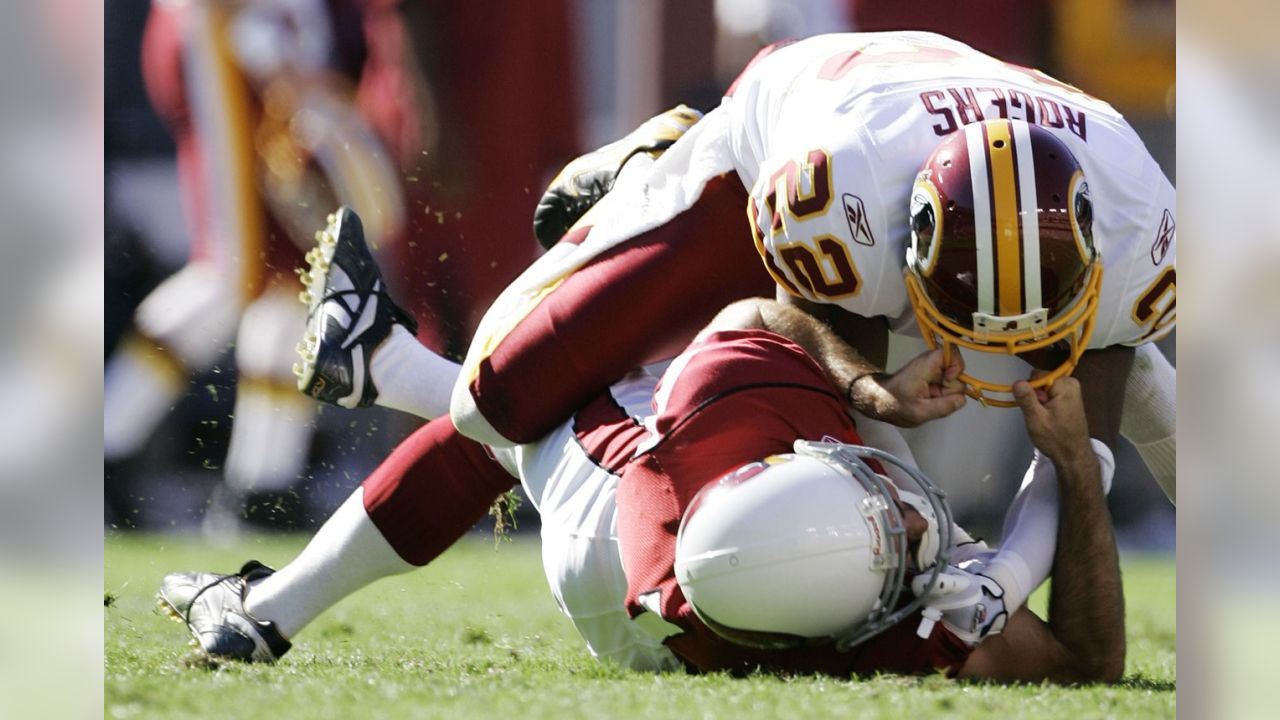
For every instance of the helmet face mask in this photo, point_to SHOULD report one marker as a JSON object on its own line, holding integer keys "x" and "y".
{"x": 807, "y": 548}
{"x": 1001, "y": 257}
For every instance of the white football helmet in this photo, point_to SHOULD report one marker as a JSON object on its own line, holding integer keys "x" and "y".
{"x": 807, "y": 548}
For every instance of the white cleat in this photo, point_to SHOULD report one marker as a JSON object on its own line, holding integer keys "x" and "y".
{"x": 212, "y": 607}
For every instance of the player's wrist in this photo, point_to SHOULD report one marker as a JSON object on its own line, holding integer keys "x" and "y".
{"x": 864, "y": 389}
{"x": 1076, "y": 461}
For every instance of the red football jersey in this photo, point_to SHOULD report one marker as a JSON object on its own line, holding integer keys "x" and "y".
{"x": 731, "y": 399}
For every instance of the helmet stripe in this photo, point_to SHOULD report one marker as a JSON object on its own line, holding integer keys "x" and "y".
{"x": 1005, "y": 199}
{"x": 981, "y": 218}
{"x": 1030, "y": 216}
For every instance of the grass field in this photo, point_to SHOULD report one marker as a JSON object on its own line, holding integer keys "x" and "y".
{"x": 477, "y": 634}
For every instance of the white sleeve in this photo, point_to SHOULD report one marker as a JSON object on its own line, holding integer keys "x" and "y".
{"x": 1135, "y": 229}
{"x": 1150, "y": 416}
{"x": 976, "y": 595}
{"x": 1025, "y": 557}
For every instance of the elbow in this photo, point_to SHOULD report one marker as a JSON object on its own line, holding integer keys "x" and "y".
{"x": 1107, "y": 669}
{"x": 1112, "y": 671}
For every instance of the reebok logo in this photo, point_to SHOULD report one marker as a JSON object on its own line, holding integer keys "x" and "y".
{"x": 1164, "y": 238}
{"x": 855, "y": 213}
{"x": 368, "y": 315}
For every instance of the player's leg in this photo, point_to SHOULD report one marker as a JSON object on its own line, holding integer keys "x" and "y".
{"x": 555, "y": 340}
{"x": 271, "y": 434}
{"x": 184, "y": 325}
{"x": 421, "y": 500}
{"x": 189, "y": 320}
{"x": 564, "y": 476}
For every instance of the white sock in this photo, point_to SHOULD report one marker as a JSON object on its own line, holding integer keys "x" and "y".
{"x": 138, "y": 392}
{"x": 1025, "y": 557}
{"x": 346, "y": 554}
{"x": 412, "y": 378}
{"x": 1150, "y": 417}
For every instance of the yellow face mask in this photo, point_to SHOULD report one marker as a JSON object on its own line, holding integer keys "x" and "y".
{"x": 1073, "y": 326}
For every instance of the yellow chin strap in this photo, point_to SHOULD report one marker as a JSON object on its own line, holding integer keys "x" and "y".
{"x": 1075, "y": 325}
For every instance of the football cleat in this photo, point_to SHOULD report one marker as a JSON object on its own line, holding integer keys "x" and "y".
{"x": 349, "y": 314}
{"x": 585, "y": 180}
{"x": 212, "y": 607}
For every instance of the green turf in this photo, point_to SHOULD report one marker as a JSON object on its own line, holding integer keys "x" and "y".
{"x": 477, "y": 634}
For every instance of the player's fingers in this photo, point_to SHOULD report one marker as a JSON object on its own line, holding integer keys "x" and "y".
{"x": 1029, "y": 402}
{"x": 931, "y": 365}
{"x": 940, "y": 407}
{"x": 953, "y": 386}
{"x": 955, "y": 367}
{"x": 1064, "y": 387}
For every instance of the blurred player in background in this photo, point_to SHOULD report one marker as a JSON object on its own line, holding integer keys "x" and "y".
{"x": 271, "y": 127}
{"x": 335, "y": 101}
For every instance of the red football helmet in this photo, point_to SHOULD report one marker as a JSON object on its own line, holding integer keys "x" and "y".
{"x": 1002, "y": 257}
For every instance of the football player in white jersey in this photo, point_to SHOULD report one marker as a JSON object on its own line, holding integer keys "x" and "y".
{"x": 1026, "y": 217}
{"x": 1009, "y": 246}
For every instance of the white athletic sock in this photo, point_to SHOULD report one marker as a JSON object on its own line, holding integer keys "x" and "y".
{"x": 1025, "y": 557}
{"x": 345, "y": 555}
{"x": 412, "y": 378}
{"x": 138, "y": 392}
{"x": 1150, "y": 417}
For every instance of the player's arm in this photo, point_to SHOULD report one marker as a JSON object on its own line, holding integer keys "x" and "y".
{"x": 869, "y": 336}
{"x": 921, "y": 391}
{"x": 1103, "y": 374}
{"x": 1083, "y": 640}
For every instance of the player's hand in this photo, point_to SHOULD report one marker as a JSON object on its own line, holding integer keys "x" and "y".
{"x": 1055, "y": 419}
{"x": 969, "y": 605}
{"x": 922, "y": 390}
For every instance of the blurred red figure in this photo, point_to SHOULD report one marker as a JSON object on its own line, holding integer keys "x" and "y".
{"x": 282, "y": 110}
{"x": 264, "y": 102}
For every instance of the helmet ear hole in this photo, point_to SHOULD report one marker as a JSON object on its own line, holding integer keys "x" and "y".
{"x": 924, "y": 227}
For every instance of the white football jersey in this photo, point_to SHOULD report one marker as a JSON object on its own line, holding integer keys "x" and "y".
{"x": 828, "y": 134}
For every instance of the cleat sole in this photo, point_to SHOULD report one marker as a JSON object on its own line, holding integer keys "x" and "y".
{"x": 319, "y": 261}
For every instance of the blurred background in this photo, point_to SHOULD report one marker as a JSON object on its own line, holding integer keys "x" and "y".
{"x": 231, "y": 128}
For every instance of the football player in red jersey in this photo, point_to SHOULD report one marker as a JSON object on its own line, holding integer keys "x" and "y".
{"x": 612, "y": 485}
